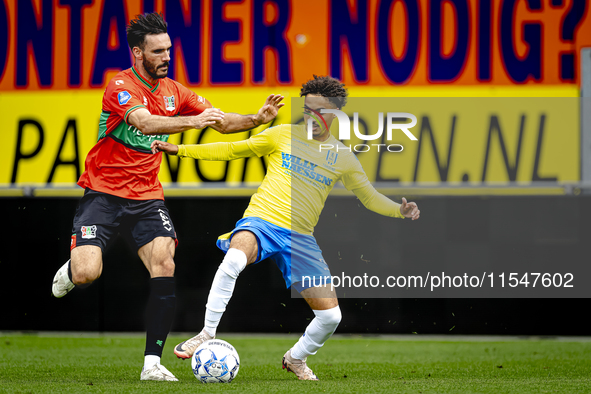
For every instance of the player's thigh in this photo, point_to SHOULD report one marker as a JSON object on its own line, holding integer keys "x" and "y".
{"x": 245, "y": 241}
{"x": 86, "y": 263}
{"x": 97, "y": 218}
{"x": 150, "y": 228}
{"x": 158, "y": 256}
{"x": 321, "y": 297}
{"x": 94, "y": 226}
{"x": 147, "y": 220}
{"x": 310, "y": 274}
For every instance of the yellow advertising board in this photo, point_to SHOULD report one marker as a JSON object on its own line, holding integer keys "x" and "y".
{"x": 471, "y": 142}
{"x": 57, "y": 57}
{"x": 50, "y": 134}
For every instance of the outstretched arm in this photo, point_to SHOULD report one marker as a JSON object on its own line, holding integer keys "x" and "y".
{"x": 377, "y": 202}
{"x": 259, "y": 145}
{"x": 218, "y": 151}
{"x": 356, "y": 180}
{"x": 234, "y": 123}
{"x": 150, "y": 124}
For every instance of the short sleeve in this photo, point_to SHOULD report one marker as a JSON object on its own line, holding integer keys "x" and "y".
{"x": 122, "y": 98}
{"x": 191, "y": 103}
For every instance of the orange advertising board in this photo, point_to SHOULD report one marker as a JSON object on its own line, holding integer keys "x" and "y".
{"x": 64, "y": 44}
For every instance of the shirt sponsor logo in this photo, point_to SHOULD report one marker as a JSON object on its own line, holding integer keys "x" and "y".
{"x": 303, "y": 167}
{"x": 123, "y": 97}
{"x": 88, "y": 232}
{"x": 169, "y": 103}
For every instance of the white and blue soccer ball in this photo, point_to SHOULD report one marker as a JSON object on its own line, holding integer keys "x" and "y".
{"x": 215, "y": 361}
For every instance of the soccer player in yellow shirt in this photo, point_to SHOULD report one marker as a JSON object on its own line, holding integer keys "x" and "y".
{"x": 282, "y": 214}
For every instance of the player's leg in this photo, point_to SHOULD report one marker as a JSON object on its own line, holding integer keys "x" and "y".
{"x": 153, "y": 232}
{"x": 158, "y": 257}
{"x": 242, "y": 252}
{"x": 92, "y": 228}
{"x": 86, "y": 264}
{"x": 83, "y": 268}
{"x": 311, "y": 277}
{"x": 325, "y": 305}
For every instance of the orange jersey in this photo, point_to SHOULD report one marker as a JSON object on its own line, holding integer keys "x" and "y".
{"x": 121, "y": 163}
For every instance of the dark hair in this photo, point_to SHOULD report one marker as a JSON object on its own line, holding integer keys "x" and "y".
{"x": 328, "y": 87}
{"x": 142, "y": 25}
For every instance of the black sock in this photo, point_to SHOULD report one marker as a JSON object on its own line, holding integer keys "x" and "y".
{"x": 159, "y": 314}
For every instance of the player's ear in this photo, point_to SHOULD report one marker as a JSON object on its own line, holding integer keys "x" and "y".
{"x": 137, "y": 53}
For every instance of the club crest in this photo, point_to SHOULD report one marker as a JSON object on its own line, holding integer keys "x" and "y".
{"x": 169, "y": 103}
{"x": 331, "y": 157}
{"x": 88, "y": 232}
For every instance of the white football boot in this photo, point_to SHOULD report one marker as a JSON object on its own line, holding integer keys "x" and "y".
{"x": 298, "y": 367}
{"x": 187, "y": 348}
{"x": 159, "y": 373}
{"x": 62, "y": 284}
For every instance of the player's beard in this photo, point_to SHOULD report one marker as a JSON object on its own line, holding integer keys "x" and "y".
{"x": 152, "y": 69}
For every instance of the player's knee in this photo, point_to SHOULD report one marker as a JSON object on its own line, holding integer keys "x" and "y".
{"x": 164, "y": 267}
{"x": 85, "y": 275}
{"x": 329, "y": 317}
{"x": 336, "y": 316}
{"x": 234, "y": 262}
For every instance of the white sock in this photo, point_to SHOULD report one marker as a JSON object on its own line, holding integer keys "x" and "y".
{"x": 222, "y": 288}
{"x": 318, "y": 331}
{"x": 150, "y": 361}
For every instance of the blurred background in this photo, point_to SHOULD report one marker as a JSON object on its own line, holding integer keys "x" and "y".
{"x": 510, "y": 185}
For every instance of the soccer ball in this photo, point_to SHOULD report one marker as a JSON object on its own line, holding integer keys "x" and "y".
{"x": 215, "y": 361}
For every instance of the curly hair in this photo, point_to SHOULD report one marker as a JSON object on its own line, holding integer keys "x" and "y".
{"x": 142, "y": 25}
{"x": 328, "y": 87}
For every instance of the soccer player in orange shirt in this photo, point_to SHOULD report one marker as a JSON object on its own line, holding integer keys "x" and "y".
{"x": 122, "y": 190}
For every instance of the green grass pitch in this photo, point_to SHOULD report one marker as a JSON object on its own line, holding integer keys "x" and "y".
{"x": 346, "y": 364}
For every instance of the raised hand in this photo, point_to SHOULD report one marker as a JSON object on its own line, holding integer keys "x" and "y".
{"x": 269, "y": 110}
{"x": 166, "y": 147}
{"x": 409, "y": 209}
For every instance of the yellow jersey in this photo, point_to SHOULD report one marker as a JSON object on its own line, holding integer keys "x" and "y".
{"x": 300, "y": 175}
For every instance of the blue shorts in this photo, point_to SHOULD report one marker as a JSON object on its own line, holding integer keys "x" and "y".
{"x": 297, "y": 256}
